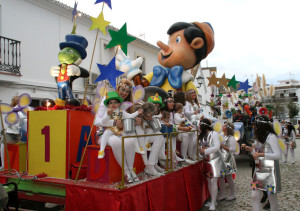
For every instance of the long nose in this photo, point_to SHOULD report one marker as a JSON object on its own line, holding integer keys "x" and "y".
{"x": 162, "y": 46}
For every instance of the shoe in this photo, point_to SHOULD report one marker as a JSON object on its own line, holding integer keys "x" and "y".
{"x": 128, "y": 177}
{"x": 179, "y": 159}
{"x": 212, "y": 207}
{"x": 148, "y": 146}
{"x": 267, "y": 206}
{"x": 188, "y": 161}
{"x": 150, "y": 170}
{"x": 230, "y": 198}
{"x": 134, "y": 176}
{"x": 164, "y": 157}
{"x": 50, "y": 205}
{"x": 221, "y": 198}
{"x": 284, "y": 162}
{"x": 207, "y": 204}
{"x": 293, "y": 162}
{"x": 158, "y": 169}
{"x": 101, "y": 154}
{"x": 140, "y": 150}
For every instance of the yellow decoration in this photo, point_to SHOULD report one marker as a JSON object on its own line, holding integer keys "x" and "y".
{"x": 218, "y": 126}
{"x": 24, "y": 100}
{"x": 5, "y": 108}
{"x": 155, "y": 97}
{"x": 277, "y": 127}
{"x": 37, "y": 143}
{"x": 221, "y": 138}
{"x": 11, "y": 117}
{"x": 223, "y": 81}
{"x": 213, "y": 80}
{"x": 137, "y": 95}
{"x": 296, "y": 127}
{"x": 99, "y": 23}
{"x": 282, "y": 145}
{"x": 237, "y": 135}
{"x": 237, "y": 149}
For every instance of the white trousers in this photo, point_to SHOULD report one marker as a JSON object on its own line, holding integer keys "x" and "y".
{"x": 288, "y": 146}
{"x": 230, "y": 184}
{"x": 189, "y": 144}
{"x": 256, "y": 198}
{"x": 213, "y": 188}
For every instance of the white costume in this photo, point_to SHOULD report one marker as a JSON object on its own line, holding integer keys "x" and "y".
{"x": 229, "y": 160}
{"x": 288, "y": 141}
{"x": 267, "y": 173}
{"x": 116, "y": 143}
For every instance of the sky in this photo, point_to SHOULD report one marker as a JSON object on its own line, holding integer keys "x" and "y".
{"x": 251, "y": 36}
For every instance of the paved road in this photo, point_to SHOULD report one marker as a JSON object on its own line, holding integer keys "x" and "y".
{"x": 288, "y": 198}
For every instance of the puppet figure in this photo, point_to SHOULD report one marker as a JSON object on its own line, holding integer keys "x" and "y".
{"x": 189, "y": 43}
{"x": 71, "y": 55}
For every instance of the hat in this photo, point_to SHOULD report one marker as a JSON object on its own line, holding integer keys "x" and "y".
{"x": 75, "y": 41}
{"x": 112, "y": 96}
{"x": 156, "y": 99}
{"x": 209, "y": 35}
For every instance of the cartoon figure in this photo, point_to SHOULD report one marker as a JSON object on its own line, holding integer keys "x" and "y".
{"x": 71, "y": 55}
{"x": 189, "y": 43}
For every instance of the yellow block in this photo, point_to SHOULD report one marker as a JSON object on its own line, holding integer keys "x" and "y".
{"x": 47, "y": 143}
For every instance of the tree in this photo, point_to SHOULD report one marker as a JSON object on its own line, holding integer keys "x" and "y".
{"x": 293, "y": 109}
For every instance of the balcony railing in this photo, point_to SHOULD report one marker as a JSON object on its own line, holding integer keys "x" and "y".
{"x": 281, "y": 99}
{"x": 10, "y": 56}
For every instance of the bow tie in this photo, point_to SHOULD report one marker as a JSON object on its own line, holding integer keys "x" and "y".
{"x": 173, "y": 74}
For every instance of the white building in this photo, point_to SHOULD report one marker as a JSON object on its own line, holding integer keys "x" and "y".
{"x": 30, "y": 33}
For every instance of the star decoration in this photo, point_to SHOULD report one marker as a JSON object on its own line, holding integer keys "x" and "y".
{"x": 223, "y": 81}
{"x": 240, "y": 96}
{"x": 109, "y": 72}
{"x": 120, "y": 38}
{"x": 270, "y": 189}
{"x": 213, "y": 80}
{"x": 212, "y": 95}
{"x": 99, "y": 23}
{"x": 74, "y": 12}
{"x": 228, "y": 95}
{"x": 245, "y": 86}
{"x": 232, "y": 82}
{"x": 220, "y": 95}
{"x": 108, "y": 2}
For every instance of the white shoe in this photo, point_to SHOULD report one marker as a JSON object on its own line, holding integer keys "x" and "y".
{"x": 207, "y": 204}
{"x": 101, "y": 154}
{"x": 230, "y": 198}
{"x": 134, "y": 176}
{"x": 212, "y": 207}
{"x": 179, "y": 159}
{"x": 221, "y": 198}
{"x": 128, "y": 177}
{"x": 139, "y": 150}
{"x": 151, "y": 170}
{"x": 284, "y": 161}
{"x": 158, "y": 169}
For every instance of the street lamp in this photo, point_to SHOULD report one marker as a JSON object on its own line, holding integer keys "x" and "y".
{"x": 199, "y": 80}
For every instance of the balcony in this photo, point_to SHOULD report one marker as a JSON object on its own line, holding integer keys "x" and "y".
{"x": 281, "y": 99}
{"x": 10, "y": 56}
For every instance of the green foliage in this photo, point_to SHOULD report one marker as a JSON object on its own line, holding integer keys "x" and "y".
{"x": 293, "y": 109}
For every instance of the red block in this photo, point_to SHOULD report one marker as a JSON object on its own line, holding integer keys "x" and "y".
{"x": 107, "y": 170}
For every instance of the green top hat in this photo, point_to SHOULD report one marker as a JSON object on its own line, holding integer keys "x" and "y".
{"x": 156, "y": 99}
{"x": 112, "y": 96}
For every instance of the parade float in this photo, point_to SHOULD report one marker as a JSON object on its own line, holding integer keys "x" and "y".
{"x": 59, "y": 163}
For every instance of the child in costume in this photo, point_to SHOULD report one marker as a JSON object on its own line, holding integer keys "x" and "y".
{"x": 113, "y": 102}
{"x": 189, "y": 140}
{"x": 290, "y": 137}
{"x": 228, "y": 147}
{"x": 214, "y": 165}
{"x": 157, "y": 141}
{"x": 267, "y": 173}
{"x": 192, "y": 106}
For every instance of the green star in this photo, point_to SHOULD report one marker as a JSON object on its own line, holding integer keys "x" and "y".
{"x": 99, "y": 23}
{"x": 232, "y": 82}
{"x": 220, "y": 95}
{"x": 120, "y": 38}
{"x": 240, "y": 96}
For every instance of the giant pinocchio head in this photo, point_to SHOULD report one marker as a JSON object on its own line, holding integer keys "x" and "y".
{"x": 189, "y": 43}
{"x": 72, "y": 49}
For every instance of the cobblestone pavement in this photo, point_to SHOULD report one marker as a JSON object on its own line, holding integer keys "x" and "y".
{"x": 288, "y": 198}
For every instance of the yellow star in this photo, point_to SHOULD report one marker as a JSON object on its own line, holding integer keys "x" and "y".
{"x": 99, "y": 23}
{"x": 213, "y": 80}
{"x": 223, "y": 81}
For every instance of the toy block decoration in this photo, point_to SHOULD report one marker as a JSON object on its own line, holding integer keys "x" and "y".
{"x": 17, "y": 156}
{"x": 56, "y": 139}
{"x": 107, "y": 170}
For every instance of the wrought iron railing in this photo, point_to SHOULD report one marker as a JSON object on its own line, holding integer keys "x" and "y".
{"x": 10, "y": 56}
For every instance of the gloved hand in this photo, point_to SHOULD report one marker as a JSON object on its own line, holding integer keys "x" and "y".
{"x": 54, "y": 71}
{"x": 73, "y": 70}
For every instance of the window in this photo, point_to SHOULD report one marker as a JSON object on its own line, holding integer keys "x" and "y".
{"x": 281, "y": 95}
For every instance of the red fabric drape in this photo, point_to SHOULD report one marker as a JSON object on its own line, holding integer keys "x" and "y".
{"x": 183, "y": 190}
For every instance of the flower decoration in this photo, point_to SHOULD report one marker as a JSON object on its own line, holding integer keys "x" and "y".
{"x": 263, "y": 111}
{"x": 254, "y": 185}
{"x": 228, "y": 95}
{"x": 229, "y": 168}
{"x": 228, "y": 114}
{"x": 270, "y": 189}
{"x": 209, "y": 174}
{"x": 223, "y": 173}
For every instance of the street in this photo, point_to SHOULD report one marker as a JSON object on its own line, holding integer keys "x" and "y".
{"x": 288, "y": 198}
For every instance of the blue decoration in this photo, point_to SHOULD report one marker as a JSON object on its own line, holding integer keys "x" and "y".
{"x": 109, "y": 72}
{"x": 245, "y": 86}
{"x": 228, "y": 114}
{"x": 173, "y": 74}
{"x": 108, "y": 2}
{"x": 74, "y": 12}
